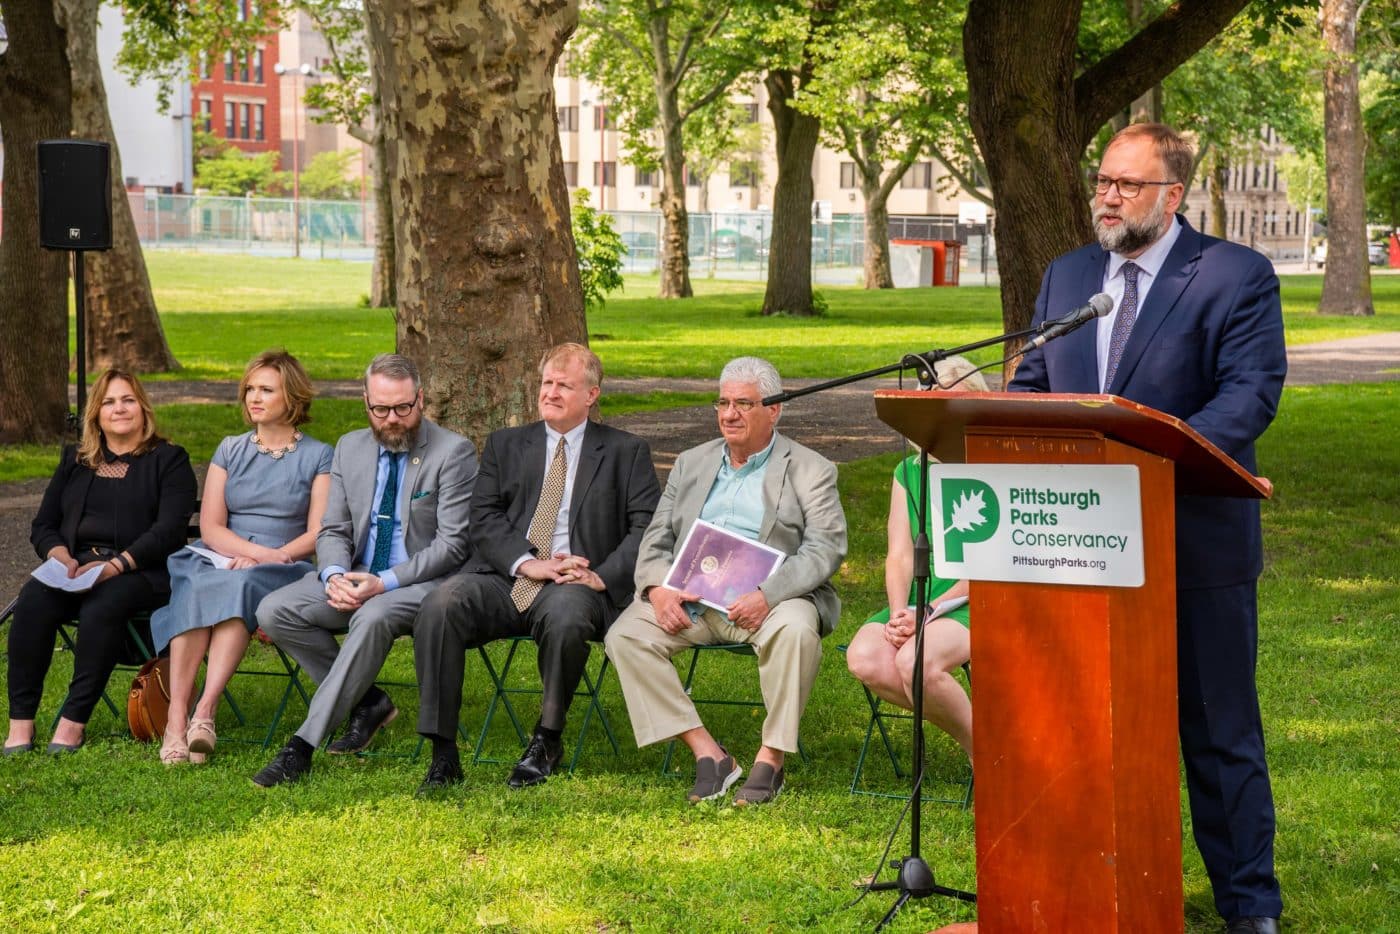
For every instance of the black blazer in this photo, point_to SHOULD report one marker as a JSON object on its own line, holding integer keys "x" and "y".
{"x": 153, "y": 522}
{"x": 615, "y": 493}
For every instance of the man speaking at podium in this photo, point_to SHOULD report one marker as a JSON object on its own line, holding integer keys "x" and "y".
{"x": 1196, "y": 332}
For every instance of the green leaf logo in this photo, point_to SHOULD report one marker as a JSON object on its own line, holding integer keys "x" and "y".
{"x": 971, "y": 514}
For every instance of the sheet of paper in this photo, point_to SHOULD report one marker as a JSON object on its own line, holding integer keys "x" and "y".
{"x": 219, "y": 561}
{"x": 54, "y": 574}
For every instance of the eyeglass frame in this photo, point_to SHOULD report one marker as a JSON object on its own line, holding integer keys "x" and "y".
{"x": 1102, "y": 183}
{"x": 407, "y": 409}
{"x": 742, "y": 406}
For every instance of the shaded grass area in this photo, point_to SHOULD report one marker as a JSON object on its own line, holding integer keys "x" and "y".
{"x": 199, "y": 427}
{"x": 218, "y": 311}
{"x": 109, "y": 837}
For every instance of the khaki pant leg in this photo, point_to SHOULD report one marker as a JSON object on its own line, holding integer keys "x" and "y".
{"x": 789, "y": 647}
{"x": 641, "y": 652}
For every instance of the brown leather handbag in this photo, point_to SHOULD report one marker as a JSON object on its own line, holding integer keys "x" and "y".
{"x": 148, "y": 703}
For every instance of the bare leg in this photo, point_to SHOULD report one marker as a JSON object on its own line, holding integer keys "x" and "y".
{"x": 946, "y": 705}
{"x": 871, "y": 659}
{"x": 21, "y": 732}
{"x": 773, "y": 757}
{"x": 226, "y": 648}
{"x": 69, "y": 732}
{"x": 186, "y": 652}
{"x": 702, "y": 744}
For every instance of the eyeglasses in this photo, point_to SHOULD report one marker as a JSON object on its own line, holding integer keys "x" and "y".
{"x": 402, "y": 410}
{"x": 743, "y": 405}
{"x": 1127, "y": 187}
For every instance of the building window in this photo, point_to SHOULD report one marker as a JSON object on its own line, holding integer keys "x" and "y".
{"x": 648, "y": 178}
{"x": 204, "y": 72}
{"x": 228, "y": 66}
{"x": 571, "y": 174}
{"x": 691, "y": 179}
{"x": 568, "y": 119}
{"x": 920, "y": 175}
{"x": 565, "y": 67}
{"x": 605, "y": 174}
{"x": 243, "y": 127}
{"x": 603, "y": 118}
{"x": 751, "y": 108}
{"x": 743, "y": 174}
{"x": 206, "y": 114}
{"x": 258, "y": 66}
{"x": 230, "y": 129}
{"x": 848, "y": 175}
{"x": 258, "y": 121}
{"x": 243, "y": 71}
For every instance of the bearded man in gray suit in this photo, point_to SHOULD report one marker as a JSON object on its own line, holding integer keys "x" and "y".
{"x": 764, "y": 487}
{"x": 395, "y": 524}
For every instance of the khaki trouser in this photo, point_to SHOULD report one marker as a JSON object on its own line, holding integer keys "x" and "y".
{"x": 789, "y": 648}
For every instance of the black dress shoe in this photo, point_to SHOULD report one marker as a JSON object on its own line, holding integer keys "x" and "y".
{"x": 1252, "y": 926}
{"x": 289, "y": 765}
{"x": 365, "y": 721}
{"x": 539, "y": 762}
{"x": 442, "y": 772}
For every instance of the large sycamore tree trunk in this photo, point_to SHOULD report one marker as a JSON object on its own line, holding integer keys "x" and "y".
{"x": 795, "y": 133}
{"x": 1346, "y": 278}
{"x": 675, "y": 227}
{"x": 487, "y": 274}
{"x": 123, "y": 327}
{"x": 34, "y": 104}
{"x": 1033, "y": 118}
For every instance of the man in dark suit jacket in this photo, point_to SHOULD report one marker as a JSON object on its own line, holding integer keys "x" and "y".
{"x": 558, "y": 514}
{"x": 1197, "y": 332}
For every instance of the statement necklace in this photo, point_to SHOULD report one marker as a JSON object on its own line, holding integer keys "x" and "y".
{"x": 277, "y": 453}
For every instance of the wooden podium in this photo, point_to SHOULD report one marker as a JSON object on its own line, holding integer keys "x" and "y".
{"x": 1078, "y": 811}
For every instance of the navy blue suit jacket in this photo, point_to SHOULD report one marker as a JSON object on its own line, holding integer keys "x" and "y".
{"x": 1208, "y": 348}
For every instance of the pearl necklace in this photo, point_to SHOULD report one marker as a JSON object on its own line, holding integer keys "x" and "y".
{"x": 277, "y": 453}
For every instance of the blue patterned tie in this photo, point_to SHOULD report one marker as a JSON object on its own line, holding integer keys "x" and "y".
{"x": 384, "y": 521}
{"x": 1123, "y": 324}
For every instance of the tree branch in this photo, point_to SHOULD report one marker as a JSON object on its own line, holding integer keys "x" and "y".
{"x": 1114, "y": 81}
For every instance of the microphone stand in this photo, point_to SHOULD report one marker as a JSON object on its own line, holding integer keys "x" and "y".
{"x": 915, "y": 877}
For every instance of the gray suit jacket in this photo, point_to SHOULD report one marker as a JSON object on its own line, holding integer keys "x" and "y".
{"x": 434, "y": 502}
{"x": 802, "y": 516}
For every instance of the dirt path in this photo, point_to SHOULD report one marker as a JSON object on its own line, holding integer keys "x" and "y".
{"x": 841, "y": 423}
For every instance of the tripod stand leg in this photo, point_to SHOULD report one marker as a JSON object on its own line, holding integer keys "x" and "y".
{"x": 894, "y": 910}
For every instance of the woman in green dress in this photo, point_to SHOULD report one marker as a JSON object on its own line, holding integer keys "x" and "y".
{"x": 881, "y": 655}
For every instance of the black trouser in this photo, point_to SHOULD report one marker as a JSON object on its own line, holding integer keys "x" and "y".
{"x": 102, "y": 640}
{"x": 469, "y": 610}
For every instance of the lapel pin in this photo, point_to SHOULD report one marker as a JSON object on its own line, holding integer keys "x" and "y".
{"x": 417, "y": 460}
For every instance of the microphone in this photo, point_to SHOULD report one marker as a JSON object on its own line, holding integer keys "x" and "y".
{"x": 1097, "y": 307}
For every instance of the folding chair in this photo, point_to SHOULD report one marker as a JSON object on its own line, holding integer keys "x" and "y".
{"x": 589, "y": 687}
{"x": 879, "y": 714}
{"x": 737, "y": 648}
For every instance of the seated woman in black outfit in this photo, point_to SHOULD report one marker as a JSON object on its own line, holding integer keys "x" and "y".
{"x": 120, "y": 499}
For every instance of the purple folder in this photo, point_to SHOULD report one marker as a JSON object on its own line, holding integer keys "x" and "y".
{"x": 720, "y": 566}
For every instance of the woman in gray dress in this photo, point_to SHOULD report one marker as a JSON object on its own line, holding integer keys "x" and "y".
{"x": 263, "y": 500}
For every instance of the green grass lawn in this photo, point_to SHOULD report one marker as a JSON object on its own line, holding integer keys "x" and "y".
{"x": 218, "y": 311}
{"x": 110, "y": 839}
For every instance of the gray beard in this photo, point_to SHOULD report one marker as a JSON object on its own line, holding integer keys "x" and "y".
{"x": 399, "y": 443}
{"x": 1131, "y": 235}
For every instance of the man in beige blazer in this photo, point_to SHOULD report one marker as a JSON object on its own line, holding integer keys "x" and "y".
{"x": 763, "y": 486}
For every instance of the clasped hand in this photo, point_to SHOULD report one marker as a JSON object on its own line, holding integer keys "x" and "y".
{"x": 349, "y": 591}
{"x": 900, "y": 627}
{"x": 563, "y": 568}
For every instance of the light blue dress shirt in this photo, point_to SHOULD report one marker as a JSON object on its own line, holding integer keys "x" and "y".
{"x": 398, "y": 554}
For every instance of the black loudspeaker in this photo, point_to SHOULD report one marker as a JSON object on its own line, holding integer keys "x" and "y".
{"x": 75, "y": 197}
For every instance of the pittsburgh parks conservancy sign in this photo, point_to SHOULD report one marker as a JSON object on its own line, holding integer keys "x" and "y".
{"x": 1068, "y": 524}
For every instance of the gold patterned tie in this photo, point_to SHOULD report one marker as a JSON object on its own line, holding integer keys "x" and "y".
{"x": 541, "y": 534}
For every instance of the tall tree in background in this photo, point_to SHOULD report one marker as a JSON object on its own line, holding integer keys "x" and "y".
{"x": 889, "y": 89}
{"x": 1346, "y": 279}
{"x": 487, "y": 274}
{"x": 1034, "y": 112}
{"x": 661, "y": 65}
{"x": 791, "y": 36}
{"x": 35, "y": 104}
{"x": 123, "y": 328}
{"x": 347, "y": 95}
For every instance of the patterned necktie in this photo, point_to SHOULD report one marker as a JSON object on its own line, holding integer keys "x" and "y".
{"x": 384, "y": 521}
{"x": 1123, "y": 324}
{"x": 541, "y": 535}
